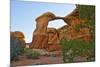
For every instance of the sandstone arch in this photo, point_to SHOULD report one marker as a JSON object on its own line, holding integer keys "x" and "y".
{"x": 41, "y": 39}
{"x": 40, "y": 35}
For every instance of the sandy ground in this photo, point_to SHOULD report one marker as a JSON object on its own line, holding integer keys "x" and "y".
{"x": 42, "y": 60}
{"x": 45, "y": 58}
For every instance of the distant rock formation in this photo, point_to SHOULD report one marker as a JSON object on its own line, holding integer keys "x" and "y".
{"x": 17, "y": 44}
{"x": 19, "y": 35}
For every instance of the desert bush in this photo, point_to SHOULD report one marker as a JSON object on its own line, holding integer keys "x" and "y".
{"x": 75, "y": 48}
{"x": 17, "y": 47}
{"x": 31, "y": 54}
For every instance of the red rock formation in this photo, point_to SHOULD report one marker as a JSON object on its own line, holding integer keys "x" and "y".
{"x": 39, "y": 42}
{"x": 19, "y": 35}
{"x": 53, "y": 40}
{"x": 53, "y": 35}
{"x": 48, "y": 38}
{"x": 40, "y": 36}
{"x": 69, "y": 31}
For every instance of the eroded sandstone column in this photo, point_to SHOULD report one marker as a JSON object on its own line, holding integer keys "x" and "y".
{"x": 40, "y": 36}
{"x": 53, "y": 41}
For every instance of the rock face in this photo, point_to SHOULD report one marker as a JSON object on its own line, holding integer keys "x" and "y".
{"x": 72, "y": 18}
{"x": 53, "y": 39}
{"x": 53, "y": 36}
{"x": 74, "y": 29}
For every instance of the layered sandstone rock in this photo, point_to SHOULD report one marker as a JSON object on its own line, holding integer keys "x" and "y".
{"x": 53, "y": 39}
{"x": 69, "y": 31}
{"x": 40, "y": 36}
{"x": 53, "y": 35}
{"x": 73, "y": 17}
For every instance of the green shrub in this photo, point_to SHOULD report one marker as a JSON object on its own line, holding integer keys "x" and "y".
{"x": 31, "y": 54}
{"x": 87, "y": 12}
{"x": 75, "y": 48}
{"x": 17, "y": 47}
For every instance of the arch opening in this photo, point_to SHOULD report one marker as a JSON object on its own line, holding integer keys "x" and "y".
{"x": 58, "y": 23}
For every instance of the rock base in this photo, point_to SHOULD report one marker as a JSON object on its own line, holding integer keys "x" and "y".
{"x": 39, "y": 42}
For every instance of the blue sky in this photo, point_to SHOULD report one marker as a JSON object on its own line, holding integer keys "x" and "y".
{"x": 23, "y": 15}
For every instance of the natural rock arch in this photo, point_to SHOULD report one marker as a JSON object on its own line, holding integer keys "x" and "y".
{"x": 40, "y": 35}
